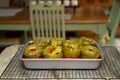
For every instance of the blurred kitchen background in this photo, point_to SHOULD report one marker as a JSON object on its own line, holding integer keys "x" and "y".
{"x": 14, "y": 35}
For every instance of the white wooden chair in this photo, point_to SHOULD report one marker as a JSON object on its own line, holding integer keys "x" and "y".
{"x": 47, "y": 21}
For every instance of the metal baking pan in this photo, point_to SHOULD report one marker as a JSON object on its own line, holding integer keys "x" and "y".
{"x": 62, "y": 63}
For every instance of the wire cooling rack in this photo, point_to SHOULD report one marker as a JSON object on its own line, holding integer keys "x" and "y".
{"x": 109, "y": 69}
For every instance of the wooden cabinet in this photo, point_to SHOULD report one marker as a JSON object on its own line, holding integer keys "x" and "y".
{"x": 4, "y": 3}
{"x": 104, "y": 2}
{"x": 95, "y": 2}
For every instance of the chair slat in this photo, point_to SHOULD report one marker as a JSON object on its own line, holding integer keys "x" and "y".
{"x": 37, "y": 23}
{"x": 50, "y": 24}
{"x": 54, "y": 22}
{"x": 58, "y": 23}
{"x": 46, "y": 23}
{"x": 41, "y": 24}
{"x": 63, "y": 24}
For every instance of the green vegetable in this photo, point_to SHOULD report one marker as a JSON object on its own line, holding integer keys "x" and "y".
{"x": 71, "y": 48}
{"x": 53, "y": 52}
{"x": 40, "y": 42}
{"x": 86, "y": 41}
{"x": 56, "y": 41}
{"x": 90, "y": 51}
{"x": 32, "y": 51}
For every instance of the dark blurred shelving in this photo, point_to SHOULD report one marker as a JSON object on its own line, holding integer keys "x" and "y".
{"x": 17, "y": 3}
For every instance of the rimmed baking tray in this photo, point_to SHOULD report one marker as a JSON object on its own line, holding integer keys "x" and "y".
{"x": 62, "y": 63}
